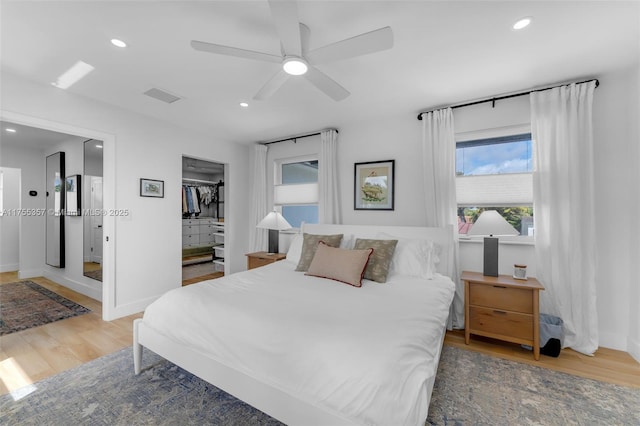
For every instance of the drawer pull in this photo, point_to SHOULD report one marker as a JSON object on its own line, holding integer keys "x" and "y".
{"x": 500, "y": 286}
{"x": 499, "y": 312}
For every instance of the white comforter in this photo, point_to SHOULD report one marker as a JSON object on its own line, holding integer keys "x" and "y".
{"x": 367, "y": 353}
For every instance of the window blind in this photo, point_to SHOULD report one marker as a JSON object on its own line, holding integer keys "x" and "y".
{"x": 503, "y": 190}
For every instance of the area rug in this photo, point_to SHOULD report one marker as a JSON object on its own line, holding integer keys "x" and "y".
{"x": 26, "y": 304}
{"x": 471, "y": 389}
{"x": 95, "y": 275}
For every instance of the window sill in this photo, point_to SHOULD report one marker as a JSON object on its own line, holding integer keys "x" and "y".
{"x": 522, "y": 241}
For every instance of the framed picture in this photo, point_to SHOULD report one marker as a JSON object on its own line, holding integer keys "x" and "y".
{"x": 373, "y": 185}
{"x": 151, "y": 188}
{"x": 73, "y": 194}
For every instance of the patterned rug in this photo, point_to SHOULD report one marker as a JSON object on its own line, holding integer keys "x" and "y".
{"x": 471, "y": 389}
{"x": 26, "y": 304}
{"x": 96, "y": 274}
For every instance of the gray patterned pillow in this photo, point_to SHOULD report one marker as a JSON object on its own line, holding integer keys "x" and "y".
{"x": 310, "y": 245}
{"x": 379, "y": 262}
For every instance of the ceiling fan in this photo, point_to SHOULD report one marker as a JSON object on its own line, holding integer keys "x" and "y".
{"x": 296, "y": 59}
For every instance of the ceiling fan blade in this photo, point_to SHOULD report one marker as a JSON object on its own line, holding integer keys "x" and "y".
{"x": 271, "y": 86}
{"x": 285, "y": 15}
{"x": 233, "y": 51}
{"x": 304, "y": 38}
{"x": 326, "y": 84}
{"x": 373, "y": 41}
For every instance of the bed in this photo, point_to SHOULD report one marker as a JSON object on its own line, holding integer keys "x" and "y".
{"x": 309, "y": 350}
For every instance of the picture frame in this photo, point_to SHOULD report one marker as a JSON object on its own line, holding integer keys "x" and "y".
{"x": 73, "y": 195}
{"x": 374, "y": 185}
{"x": 151, "y": 188}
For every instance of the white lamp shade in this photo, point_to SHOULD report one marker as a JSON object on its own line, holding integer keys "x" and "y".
{"x": 274, "y": 220}
{"x": 491, "y": 222}
{"x": 303, "y": 193}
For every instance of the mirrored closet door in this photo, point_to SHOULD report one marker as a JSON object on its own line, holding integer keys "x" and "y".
{"x": 92, "y": 205}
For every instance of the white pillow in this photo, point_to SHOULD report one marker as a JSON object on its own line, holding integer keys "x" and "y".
{"x": 413, "y": 257}
{"x": 295, "y": 249}
{"x": 348, "y": 241}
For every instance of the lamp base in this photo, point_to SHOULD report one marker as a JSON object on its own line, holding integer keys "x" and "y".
{"x": 490, "y": 257}
{"x": 274, "y": 236}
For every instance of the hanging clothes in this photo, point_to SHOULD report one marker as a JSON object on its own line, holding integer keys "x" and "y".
{"x": 195, "y": 201}
{"x": 185, "y": 208}
{"x": 193, "y": 196}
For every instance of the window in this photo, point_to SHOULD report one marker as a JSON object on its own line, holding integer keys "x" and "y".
{"x": 495, "y": 174}
{"x": 296, "y": 190}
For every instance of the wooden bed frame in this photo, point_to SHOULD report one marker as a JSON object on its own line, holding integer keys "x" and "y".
{"x": 281, "y": 405}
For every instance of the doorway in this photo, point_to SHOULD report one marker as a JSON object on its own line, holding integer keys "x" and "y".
{"x": 203, "y": 220}
{"x": 32, "y": 141}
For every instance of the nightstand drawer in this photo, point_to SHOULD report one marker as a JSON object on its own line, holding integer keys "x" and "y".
{"x": 498, "y": 322}
{"x": 255, "y": 262}
{"x": 501, "y": 297}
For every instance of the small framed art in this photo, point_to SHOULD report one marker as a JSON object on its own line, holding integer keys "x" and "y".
{"x": 151, "y": 188}
{"x": 374, "y": 185}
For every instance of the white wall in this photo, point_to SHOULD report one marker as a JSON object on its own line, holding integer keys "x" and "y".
{"x": 634, "y": 299}
{"x": 31, "y": 161}
{"x": 616, "y": 136}
{"x": 146, "y": 243}
{"x": 10, "y": 220}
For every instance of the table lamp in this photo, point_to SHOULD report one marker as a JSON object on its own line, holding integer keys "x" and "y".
{"x": 275, "y": 223}
{"x": 491, "y": 224}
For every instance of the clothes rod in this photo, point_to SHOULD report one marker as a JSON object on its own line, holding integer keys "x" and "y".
{"x": 499, "y": 98}
{"x": 198, "y": 181}
{"x": 294, "y": 138}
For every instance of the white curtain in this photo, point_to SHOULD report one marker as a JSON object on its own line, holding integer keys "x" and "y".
{"x": 258, "y": 237}
{"x": 563, "y": 202}
{"x": 329, "y": 197}
{"x": 439, "y": 172}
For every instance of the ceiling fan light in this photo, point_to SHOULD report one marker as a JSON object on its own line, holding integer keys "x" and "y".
{"x": 294, "y": 66}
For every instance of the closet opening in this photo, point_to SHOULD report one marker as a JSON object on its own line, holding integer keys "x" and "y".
{"x": 203, "y": 221}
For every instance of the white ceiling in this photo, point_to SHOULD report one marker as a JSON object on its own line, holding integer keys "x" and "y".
{"x": 31, "y": 137}
{"x": 444, "y": 53}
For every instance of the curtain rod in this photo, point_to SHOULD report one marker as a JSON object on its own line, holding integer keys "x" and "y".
{"x": 514, "y": 95}
{"x": 294, "y": 138}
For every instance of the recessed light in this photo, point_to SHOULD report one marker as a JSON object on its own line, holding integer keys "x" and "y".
{"x": 74, "y": 74}
{"x": 244, "y": 104}
{"x": 118, "y": 43}
{"x": 294, "y": 65}
{"x": 522, "y": 23}
{"x": 10, "y": 130}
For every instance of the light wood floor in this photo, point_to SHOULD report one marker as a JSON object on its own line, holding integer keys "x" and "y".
{"x": 32, "y": 355}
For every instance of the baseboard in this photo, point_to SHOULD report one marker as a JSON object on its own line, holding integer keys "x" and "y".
{"x": 9, "y": 267}
{"x": 634, "y": 349}
{"x": 29, "y": 273}
{"x": 82, "y": 288}
{"x": 613, "y": 341}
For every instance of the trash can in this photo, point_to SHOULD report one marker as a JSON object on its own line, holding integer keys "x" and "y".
{"x": 551, "y": 335}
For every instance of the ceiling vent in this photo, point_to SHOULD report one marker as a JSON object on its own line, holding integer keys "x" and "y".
{"x": 161, "y": 95}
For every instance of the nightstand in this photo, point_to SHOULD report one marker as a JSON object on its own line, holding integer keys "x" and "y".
{"x": 261, "y": 258}
{"x": 502, "y": 308}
